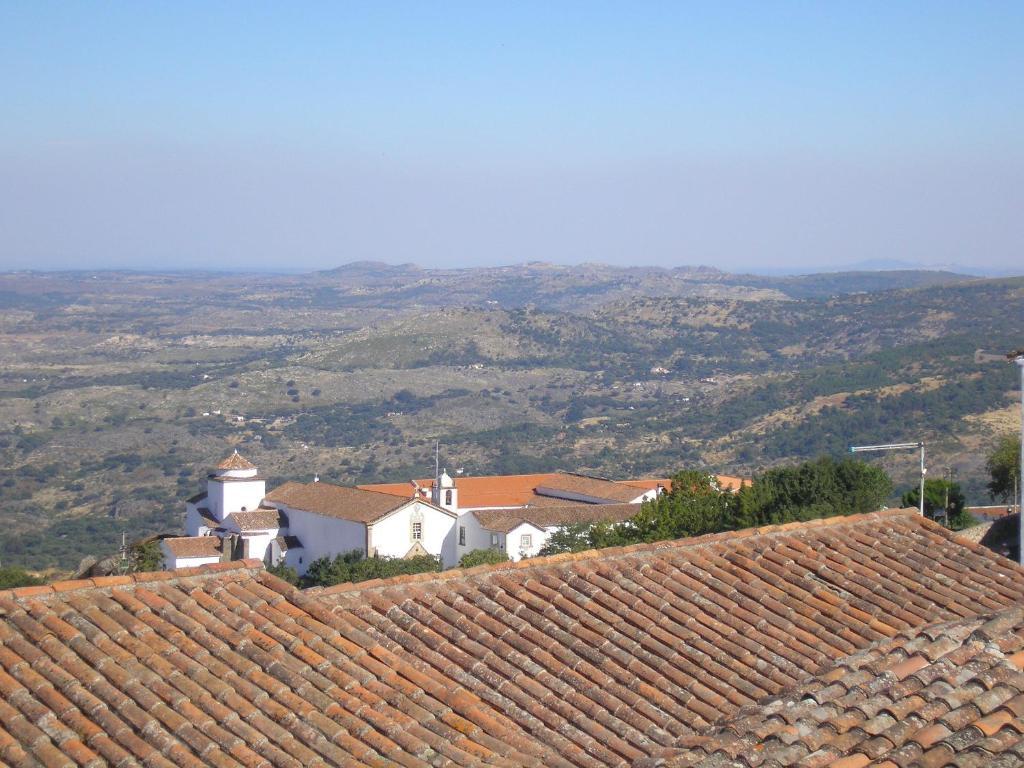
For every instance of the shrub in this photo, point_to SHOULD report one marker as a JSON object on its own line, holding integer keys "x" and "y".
{"x": 11, "y": 577}
{"x": 482, "y": 557}
{"x": 354, "y": 566}
{"x": 284, "y": 572}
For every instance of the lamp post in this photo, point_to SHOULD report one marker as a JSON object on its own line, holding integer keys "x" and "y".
{"x": 902, "y": 447}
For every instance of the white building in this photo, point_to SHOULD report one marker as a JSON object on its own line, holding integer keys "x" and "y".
{"x": 554, "y": 498}
{"x": 298, "y": 523}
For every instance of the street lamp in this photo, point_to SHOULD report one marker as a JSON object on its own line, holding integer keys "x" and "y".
{"x": 904, "y": 447}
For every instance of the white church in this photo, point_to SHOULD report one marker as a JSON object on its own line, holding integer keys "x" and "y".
{"x": 297, "y": 523}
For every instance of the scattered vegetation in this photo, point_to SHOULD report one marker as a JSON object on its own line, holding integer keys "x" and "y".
{"x": 696, "y": 505}
{"x": 1003, "y": 465}
{"x": 618, "y": 372}
{"x": 354, "y": 566}
{"x": 11, "y": 577}
{"x": 285, "y": 572}
{"x": 941, "y": 494}
{"x": 482, "y": 557}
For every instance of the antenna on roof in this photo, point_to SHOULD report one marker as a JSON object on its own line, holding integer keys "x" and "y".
{"x": 437, "y": 459}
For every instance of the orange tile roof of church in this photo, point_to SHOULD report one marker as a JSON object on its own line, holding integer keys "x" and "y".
{"x": 519, "y": 490}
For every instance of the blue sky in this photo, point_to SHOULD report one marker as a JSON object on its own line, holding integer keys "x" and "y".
{"x": 743, "y": 135}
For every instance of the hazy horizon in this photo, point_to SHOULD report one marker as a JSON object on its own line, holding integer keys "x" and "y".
{"x": 744, "y": 136}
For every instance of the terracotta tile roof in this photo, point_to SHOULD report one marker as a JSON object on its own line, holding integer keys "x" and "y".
{"x": 725, "y": 482}
{"x": 329, "y": 500}
{"x": 194, "y": 546}
{"x": 288, "y": 542}
{"x": 585, "y": 485}
{"x": 483, "y": 491}
{"x": 504, "y": 520}
{"x": 256, "y": 519}
{"x": 236, "y": 461}
{"x": 992, "y": 512}
{"x": 948, "y": 695}
{"x": 208, "y": 519}
{"x": 838, "y": 642}
{"x": 519, "y": 490}
{"x": 224, "y": 665}
{"x": 612, "y": 656}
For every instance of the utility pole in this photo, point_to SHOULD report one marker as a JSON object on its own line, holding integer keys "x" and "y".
{"x": 1018, "y": 357}
{"x": 899, "y": 447}
{"x": 123, "y": 564}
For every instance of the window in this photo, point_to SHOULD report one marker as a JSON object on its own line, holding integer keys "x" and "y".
{"x": 495, "y": 542}
{"x": 462, "y": 535}
{"x": 525, "y": 541}
{"x": 448, "y": 497}
{"x": 416, "y": 526}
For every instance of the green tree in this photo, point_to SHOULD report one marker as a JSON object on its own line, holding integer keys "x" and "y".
{"x": 811, "y": 490}
{"x": 482, "y": 557}
{"x": 571, "y": 538}
{"x": 694, "y": 506}
{"x": 11, "y": 577}
{"x": 354, "y": 566}
{"x": 1003, "y": 466}
{"x": 284, "y": 572}
{"x": 935, "y": 499}
{"x": 146, "y": 557}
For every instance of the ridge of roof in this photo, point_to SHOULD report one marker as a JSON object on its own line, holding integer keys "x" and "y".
{"x": 979, "y": 649}
{"x": 236, "y": 461}
{"x": 504, "y": 520}
{"x": 696, "y": 542}
{"x": 200, "y": 572}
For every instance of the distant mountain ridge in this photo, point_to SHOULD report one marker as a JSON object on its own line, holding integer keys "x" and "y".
{"x": 585, "y": 286}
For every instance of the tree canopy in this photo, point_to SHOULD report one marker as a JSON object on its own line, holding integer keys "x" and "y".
{"x": 1003, "y": 466}
{"x": 935, "y": 499}
{"x": 11, "y": 577}
{"x": 354, "y": 566}
{"x": 482, "y": 557}
{"x": 697, "y": 505}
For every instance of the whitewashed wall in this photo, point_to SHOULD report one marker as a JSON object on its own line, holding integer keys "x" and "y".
{"x": 391, "y": 536}
{"x": 227, "y": 497}
{"x": 477, "y": 537}
{"x": 194, "y": 523}
{"x": 513, "y": 541}
{"x": 322, "y": 537}
{"x": 184, "y": 562}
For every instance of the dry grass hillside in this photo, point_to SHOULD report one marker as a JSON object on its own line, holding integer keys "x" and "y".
{"x": 118, "y": 390}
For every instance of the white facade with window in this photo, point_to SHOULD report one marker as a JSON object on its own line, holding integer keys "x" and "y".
{"x": 526, "y": 540}
{"x": 416, "y": 522}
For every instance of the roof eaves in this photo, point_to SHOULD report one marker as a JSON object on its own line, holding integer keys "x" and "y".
{"x": 697, "y": 542}
{"x": 108, "y": 582}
